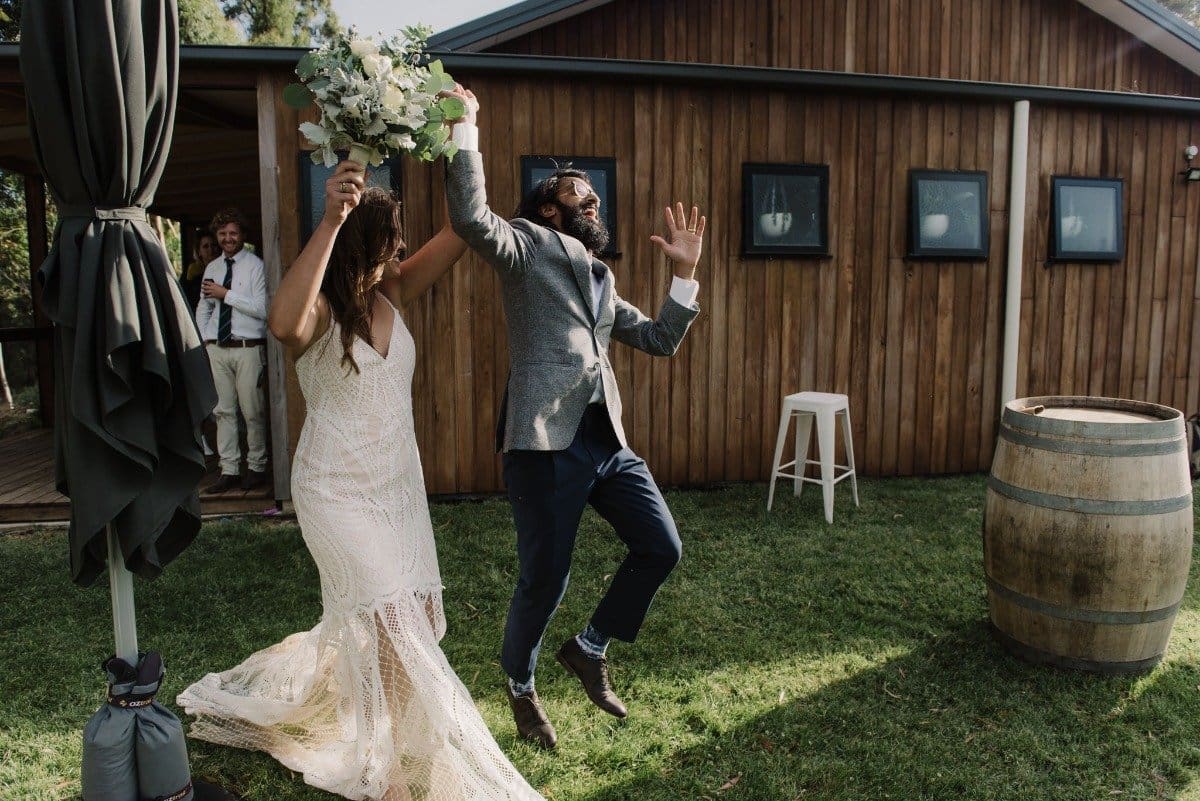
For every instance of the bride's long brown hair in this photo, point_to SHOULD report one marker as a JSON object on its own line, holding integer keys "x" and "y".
{"x": 369, "y": 238}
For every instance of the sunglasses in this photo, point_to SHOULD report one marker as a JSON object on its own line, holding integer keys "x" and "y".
{"x": 576, "y": 187}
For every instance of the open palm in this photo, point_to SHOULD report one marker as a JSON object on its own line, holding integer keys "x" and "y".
{"x": 685, "y": 236}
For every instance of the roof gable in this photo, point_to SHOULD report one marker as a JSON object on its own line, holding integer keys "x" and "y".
{"x": 1161, "y": 29}
{"x": 509, "y": 23}
{"x": 1146, "y": 20}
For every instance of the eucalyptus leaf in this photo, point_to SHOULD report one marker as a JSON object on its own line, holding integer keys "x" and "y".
{"x": 307, "y": 66}
{"x": 297, "y": 96}
{"x": 452, "y": 107}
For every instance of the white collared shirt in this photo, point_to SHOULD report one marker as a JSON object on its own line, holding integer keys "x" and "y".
{"x": 247, "y": 296}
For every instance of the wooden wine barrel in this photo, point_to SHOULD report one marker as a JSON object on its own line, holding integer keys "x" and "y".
{"x": 1087, "y": 532}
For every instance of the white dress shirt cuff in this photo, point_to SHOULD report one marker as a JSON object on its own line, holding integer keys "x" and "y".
{"x": 465, "y": 135}
{"x": 684, "y": 291}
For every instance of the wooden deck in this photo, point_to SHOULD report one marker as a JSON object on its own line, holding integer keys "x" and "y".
{"x": 27, "y": 493}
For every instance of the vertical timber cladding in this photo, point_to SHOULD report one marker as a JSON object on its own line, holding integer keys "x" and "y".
{"x": 916, "y": 345}
{"x": 1126, "y": 330}
{"x": 1059, "y": 43}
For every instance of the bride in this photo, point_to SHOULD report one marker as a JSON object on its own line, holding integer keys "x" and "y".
{"x": 365, "y": 705}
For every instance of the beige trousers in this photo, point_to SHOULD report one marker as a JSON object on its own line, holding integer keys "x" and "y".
{"x": 236, "y": 372}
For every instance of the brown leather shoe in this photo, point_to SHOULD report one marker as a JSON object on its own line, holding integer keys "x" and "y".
{"x": 226, "y": 482}
{"x": 254, "y": 479}
{"x": 593, "y": 675}
{"x": 530, "y": 717}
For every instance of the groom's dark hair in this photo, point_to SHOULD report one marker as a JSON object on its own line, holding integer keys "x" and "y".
{"x": 546, "y": 191}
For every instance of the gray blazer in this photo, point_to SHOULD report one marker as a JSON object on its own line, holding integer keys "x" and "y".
{"x": 557, "y": 349}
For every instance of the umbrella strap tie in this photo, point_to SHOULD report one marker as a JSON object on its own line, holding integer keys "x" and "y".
{"x": 175, "y": 796}
{"x": 135, "y": 213}
{"x": 131, "y": 700}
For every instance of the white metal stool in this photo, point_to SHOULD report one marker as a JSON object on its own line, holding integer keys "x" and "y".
{"x": 825, "y": 407}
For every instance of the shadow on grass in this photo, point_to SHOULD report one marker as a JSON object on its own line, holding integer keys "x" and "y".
{"x": 954, "y": 719}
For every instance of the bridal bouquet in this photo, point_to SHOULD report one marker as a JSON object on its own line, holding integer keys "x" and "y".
{"x": 377, "y": 99}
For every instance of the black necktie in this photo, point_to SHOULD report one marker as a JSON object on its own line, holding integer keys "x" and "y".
{"x": 225, "y": 316}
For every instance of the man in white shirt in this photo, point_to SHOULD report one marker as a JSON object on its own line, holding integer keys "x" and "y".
{"x": 561, "y": 434}
{"x": 232, "y": 318}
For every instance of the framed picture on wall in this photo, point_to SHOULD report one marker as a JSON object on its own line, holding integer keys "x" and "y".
{"x": 601, "y": 172}
{"x": 314, "y": 176}
{"x": 1086, "y": 219}
{"x": 785, "y": 209}
{"x": 948, "y": 215}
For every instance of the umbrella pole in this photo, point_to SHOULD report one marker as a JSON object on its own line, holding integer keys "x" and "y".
{"x": 120, "y": 585}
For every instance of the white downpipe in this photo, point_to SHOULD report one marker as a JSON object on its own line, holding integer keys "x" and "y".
{"x": 1016, "y": 247}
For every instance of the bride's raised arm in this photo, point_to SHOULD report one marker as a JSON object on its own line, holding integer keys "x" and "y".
{"x": 298, "y": 313}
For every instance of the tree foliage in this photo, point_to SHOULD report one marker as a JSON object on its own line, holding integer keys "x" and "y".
{"x": 1188, "y": 9}
{"x": 204, "y": 22}
{"x": 283, "y": 22}
{"x": 255, "y": 22}
{"x": 15, "y": 303}
{"x": 10, "y": 20}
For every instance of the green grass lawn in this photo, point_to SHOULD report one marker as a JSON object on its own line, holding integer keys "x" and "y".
{"x": 784, "y": 660}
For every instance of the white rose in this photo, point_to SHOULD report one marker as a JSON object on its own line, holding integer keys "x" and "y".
{"x": 401, "y": 141}
{"x": 363, "y": 47}
{"x": 376, "y": 65}
{"x": 393, "y": 98}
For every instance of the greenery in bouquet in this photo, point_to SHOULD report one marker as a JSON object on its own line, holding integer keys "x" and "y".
{"x": 377, "y": 98}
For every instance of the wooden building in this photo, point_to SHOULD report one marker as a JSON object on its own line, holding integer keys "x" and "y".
{"x": 871, "y": 89}
{"x": 683, "y": 93}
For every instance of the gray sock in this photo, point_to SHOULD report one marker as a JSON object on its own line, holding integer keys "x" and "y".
{"x": 519, "y": 688}
{"x": 593, "y": 641}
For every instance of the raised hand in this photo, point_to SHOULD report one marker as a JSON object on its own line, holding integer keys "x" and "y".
{"x": 685, "y": 239}
{"x": 343, "y": 191}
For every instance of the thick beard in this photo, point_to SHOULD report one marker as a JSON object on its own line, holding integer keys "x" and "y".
{"x": 591, "y": 232}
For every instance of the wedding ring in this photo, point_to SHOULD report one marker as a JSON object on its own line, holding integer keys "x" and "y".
{"x": 342, "y": 187}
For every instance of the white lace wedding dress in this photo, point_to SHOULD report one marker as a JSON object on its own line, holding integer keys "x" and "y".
{"x": 365, "y": 705}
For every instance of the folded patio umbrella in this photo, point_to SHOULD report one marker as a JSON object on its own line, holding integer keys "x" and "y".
{"x": 132, "y": 378}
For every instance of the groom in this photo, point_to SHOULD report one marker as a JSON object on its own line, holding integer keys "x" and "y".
{"x": 560, "y": 422}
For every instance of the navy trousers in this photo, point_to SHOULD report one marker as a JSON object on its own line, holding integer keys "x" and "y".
{"x": 548, "y": 491}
